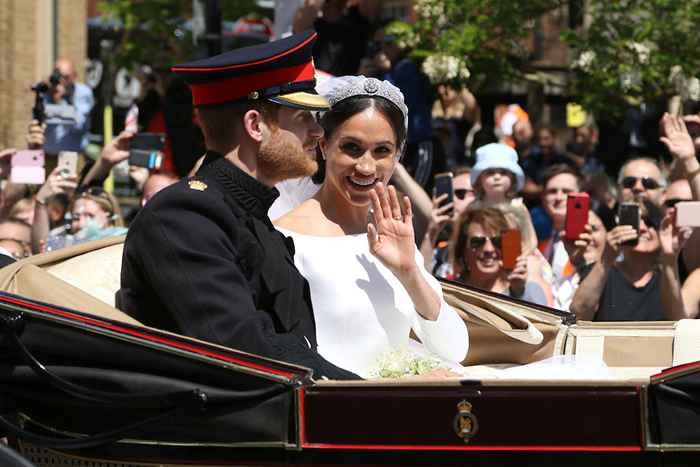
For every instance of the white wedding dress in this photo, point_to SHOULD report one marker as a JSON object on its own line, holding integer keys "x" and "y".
{"x": 361, "y": 309}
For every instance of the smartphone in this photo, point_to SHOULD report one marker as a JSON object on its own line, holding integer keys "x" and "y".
{"x": 688, "y": 214}
{"x": 577, "y": 206}
{"x": 68, "y": 163}
{"x": 27, "y": 166}
{"x": 693, "y": 129}
{"x": 443, "y": 185}
{"x": 148, "y": 141}
{"x": 628, "y": 214}
{"x": 511, "y": 245}
{"x": 145, "y": 158}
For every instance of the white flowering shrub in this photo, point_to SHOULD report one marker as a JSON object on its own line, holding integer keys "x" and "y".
{"x": 445, "y": 68}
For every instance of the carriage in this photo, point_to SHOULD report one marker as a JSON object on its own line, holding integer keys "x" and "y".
{"x": 83, "y": 384}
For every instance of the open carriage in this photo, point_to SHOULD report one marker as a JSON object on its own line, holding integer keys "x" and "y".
{"x": 85, "y": 385}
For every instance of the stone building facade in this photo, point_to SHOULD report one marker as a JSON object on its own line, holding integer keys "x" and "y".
{"x": 33, "y": 33}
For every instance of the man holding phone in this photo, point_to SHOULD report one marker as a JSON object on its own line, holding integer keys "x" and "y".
{"x": 559, "y": 181}
{"x": 462, "y": 194}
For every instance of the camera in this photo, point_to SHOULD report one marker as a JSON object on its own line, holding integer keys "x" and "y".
{"x": 38, "y": 112}
{"x": 40, "y": 89}
{"x": 55, "y": 78}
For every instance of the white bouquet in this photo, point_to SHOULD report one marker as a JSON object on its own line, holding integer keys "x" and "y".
{"x": 400, "y": 363}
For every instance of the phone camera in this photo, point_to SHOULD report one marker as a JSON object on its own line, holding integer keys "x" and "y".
{"x": 577, "y": 205}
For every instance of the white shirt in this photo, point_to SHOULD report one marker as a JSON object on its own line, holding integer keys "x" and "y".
{"x": 361, "y": 309}
{"x": 293, "y": 192}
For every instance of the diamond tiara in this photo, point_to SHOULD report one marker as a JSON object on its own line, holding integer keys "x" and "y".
{"x": 345, "y": 87}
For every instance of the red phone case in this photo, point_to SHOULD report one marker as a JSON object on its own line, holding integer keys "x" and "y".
{"x": 577, "y": 206}
{"x": 510, "y": 248}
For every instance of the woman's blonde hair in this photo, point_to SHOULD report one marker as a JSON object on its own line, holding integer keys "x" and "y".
{"x": 105, "y": 200}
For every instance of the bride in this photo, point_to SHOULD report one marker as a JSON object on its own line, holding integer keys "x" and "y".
{"x": 368, "y": 287}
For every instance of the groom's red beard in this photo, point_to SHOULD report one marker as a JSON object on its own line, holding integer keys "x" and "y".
{"x": 281, "y": 156}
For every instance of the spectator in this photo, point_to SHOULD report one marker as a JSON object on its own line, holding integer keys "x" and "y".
{"x": 602, "y": 188}
{"x": 559, "y": 181}
{"x": 497, "y": 179}
{"x": 23, "y": 210}
{"x": 94, "y": 214}
{"x": 680, "y": 143}
{"x": 643, "y": 285}
{"x": 475, "y": 254}
{"x": 68, "y": 92}
{"x": 454, "y": 112}
{"x": 582, "y": 150}
{"x": 285, "y": 10}
{"x": 402, "y": 72}
{"x": 436, "y": 255}
{"x": 45, "y": 212}
{"x": 154, "y": 183}
{"x": 513, "y": 127}
{"x": 543, "y": 155}
{"x": 641, "y": 178}
{"x": 15, "y": 236}
{"x": 96, "y": 208}
{"x": 343, "y": 26}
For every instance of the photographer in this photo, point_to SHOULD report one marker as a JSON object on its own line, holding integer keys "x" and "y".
{"x": 67, "y": 106}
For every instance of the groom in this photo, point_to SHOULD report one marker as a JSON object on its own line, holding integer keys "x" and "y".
{"x": 202, "y": 258}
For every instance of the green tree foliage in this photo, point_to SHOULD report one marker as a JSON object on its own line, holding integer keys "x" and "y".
{"x": 629, "y": 51}
{"x": 154, "y": 32}
{"x": 636, "y": 50}
{"x": 489, "y": 35}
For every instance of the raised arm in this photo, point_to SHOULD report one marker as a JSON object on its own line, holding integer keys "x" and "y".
{"x": 391, "y": 241}
{"x": 680, "y": 144}
{"x": 112, "y": 154}
{"x": 691, "y": 294}
{"x": 422, "y": 205}
{"x": 672, "y": 239}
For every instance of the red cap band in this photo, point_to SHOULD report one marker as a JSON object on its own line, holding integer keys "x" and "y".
{"x": 240, "y": 87}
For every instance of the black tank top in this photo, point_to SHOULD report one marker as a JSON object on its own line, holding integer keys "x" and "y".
{"x": 621, "y": 301}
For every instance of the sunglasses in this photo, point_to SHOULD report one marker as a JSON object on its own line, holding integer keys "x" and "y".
{"x": 647, "y": 182}
{"x": 479, "y": 241}
{"x": 461, "y": 193}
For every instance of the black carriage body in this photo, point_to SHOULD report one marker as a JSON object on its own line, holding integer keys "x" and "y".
{"x": 210, "y": 405}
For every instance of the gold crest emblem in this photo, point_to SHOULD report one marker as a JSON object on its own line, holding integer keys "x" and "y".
{"x": 465, "y": 422}
{"x": 197, "y": 185}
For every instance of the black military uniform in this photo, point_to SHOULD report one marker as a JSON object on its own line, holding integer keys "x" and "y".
{"x": 203, "y": 259}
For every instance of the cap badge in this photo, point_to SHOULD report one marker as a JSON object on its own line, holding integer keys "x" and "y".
{"x": 197, "y": 185}
{"x": 254, "y": 95}
{"x": 372, "y": 85}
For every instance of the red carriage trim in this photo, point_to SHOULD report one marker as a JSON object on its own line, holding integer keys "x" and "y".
{"x": 149, "y": 337}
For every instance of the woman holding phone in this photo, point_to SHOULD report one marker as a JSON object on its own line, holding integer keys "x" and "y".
{"x": 477, "y": 253}
{"x": 636, "y": 278}
{"x": 355, "y": 243}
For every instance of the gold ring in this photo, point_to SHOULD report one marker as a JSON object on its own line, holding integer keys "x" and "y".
{"x": 398, "y": 218}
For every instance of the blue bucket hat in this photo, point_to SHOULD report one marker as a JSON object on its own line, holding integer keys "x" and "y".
{"x": 498, "y": 156}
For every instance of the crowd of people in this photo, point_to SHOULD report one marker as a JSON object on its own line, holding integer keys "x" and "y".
{"x": 364, "y": 238}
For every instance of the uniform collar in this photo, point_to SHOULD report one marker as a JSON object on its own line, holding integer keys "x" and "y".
{"x": 253, "y": 196}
